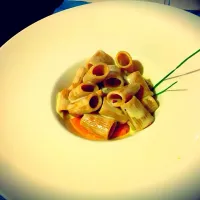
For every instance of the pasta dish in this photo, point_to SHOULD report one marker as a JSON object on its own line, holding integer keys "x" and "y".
{"x": 108, "y": 98}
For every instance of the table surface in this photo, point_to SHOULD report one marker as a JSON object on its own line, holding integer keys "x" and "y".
{"x": 183, "y": 4}
{"x": 192, "y": 6}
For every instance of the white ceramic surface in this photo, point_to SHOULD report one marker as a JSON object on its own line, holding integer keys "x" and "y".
{"x": 41, "y": 160}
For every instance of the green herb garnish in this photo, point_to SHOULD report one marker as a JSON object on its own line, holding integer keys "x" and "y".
{"x": 157, "y": 84}
{"x": 166, "y": 88}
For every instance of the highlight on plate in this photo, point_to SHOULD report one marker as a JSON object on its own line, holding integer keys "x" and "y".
{"x": 108, "y": 98}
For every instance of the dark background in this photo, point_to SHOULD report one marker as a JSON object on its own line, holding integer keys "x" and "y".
{"x": 15, "y": 15}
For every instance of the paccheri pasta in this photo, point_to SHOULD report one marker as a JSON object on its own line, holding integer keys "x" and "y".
{"x": 108, "y": 98}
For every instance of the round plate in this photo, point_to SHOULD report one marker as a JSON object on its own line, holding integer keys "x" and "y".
{"x": 40, "y": 159}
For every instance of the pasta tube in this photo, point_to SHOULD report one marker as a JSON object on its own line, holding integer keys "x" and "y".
{"x": 149, "y": 83}
{"x": 99, "y": 93}
{"x": 124, "y": 61}
{"x": 100, "y": 57}
{"x": 110, "y": 111}
{"x": 82, "y": 90}
{"x": 113, "y": 69}
{"x": 150, "y": 104}
{"x": 105, "y": 91}
{"x": 138, "y": 115}
{"x": 78, "y": 77}
{"x": 136, "y": 77}
{"x": 62, "y": 102}
{"x": 98, "y": 124}
{"x": 96, "y": 73}
{"x": 114, "y": 78}
{"x": 86, "y": 104}
{"x": 122, "y": 95}
{"x": 113, "y": 82}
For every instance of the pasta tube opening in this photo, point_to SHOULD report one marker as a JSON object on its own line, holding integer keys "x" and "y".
{"x": 82, "y": 90}
{"x": 87, "y": 104}
{"x": 114, "y": 78}
{"x": 94, "y": 102}
{"x": 124, "y": 94}
{"x": 113, "y": 82}
{"x": 96, "y": 73}
{"x": 124, "y": 61}
{"x": 87, "y": 87}
{"x": 115, "y": 98}
{"x": 99, "y": 70}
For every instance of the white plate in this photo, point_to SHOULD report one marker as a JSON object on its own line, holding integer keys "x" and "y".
{"x": 41, "y": 160}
